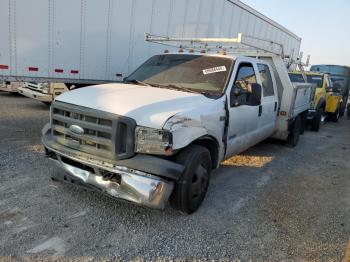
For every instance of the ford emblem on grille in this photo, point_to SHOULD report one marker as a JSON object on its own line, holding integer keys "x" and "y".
{"x": 76, "y": 129}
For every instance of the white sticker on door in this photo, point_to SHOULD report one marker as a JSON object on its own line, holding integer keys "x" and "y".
{"x": 214, "y": 70}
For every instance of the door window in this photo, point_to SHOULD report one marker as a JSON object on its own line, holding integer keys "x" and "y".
{"x": 266, "y": 80}
{"x": 245, "y": 78}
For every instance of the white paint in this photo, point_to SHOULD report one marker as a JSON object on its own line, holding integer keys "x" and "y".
{"x": 55, "y": 244}
{"x": 149, "y": 106}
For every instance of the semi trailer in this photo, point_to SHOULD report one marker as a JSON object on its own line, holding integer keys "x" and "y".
{"x": 86, "y": 42}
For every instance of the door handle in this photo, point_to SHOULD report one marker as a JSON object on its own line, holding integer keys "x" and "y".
{"x": 275, "y": 107}
{"x": 260, "y": 110}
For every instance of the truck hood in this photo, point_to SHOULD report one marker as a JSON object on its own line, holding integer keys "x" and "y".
{"x": 148, "y": 106}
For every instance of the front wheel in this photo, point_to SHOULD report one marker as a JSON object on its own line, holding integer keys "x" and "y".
{"x": 294, "y": 133}
{"x": 190, "y": 190}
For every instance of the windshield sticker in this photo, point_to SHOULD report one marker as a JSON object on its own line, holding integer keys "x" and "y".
{"x": 214, "y": 70}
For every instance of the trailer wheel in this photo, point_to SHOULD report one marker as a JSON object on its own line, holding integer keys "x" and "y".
{"x": 294, "y": 133}
{"x": 190, "y": 190}
{"x": 316, "y": 122}
{"x": 334, "y": 117}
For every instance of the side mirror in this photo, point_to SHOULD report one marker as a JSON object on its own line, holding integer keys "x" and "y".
{"x": 255, "y": 96}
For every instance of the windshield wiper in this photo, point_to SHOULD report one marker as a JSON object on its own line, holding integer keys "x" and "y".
{"x": 135, "y": 81}
{"x": 176, "y": 87}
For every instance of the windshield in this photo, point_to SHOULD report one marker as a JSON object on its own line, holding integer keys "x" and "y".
{"x": 190, "y": 73}
{"x": 314, "y": 79}
{"x": 296, "y": 78}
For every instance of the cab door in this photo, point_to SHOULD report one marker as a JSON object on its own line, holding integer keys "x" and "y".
{"x": 269, "y": 101}
{"x": 243, "y": 118}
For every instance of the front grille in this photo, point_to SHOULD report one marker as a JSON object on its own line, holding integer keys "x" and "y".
{"x": 104, "y": 134}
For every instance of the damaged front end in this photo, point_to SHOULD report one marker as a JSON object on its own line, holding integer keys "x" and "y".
{"x": 143, "y": 179}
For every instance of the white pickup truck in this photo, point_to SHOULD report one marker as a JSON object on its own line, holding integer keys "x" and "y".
{"x": 155, "y": 138}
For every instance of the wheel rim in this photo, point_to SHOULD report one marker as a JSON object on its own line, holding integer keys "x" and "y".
{"x": 199, "y": 182}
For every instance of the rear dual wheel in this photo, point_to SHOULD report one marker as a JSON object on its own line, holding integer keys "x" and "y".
{"x": 190, "y": 190}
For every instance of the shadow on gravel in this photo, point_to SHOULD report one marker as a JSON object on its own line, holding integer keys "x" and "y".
{"x": 37, "y": 106}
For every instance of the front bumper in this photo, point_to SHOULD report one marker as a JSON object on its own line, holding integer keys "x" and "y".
{"x": 125, "y": 179}
{"x": 35, "y": 95}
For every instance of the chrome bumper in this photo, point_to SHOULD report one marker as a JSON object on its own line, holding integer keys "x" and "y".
{"x": 134, "y": 186}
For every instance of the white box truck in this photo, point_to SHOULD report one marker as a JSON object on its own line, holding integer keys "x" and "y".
{"x": 157, "y": 136}
{"x": 84, "y": 42}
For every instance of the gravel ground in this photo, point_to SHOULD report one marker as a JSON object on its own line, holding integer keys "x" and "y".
{"x": 269, "y": 203}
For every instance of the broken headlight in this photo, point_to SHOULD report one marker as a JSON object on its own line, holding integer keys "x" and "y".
{"x": 153, "y": 141}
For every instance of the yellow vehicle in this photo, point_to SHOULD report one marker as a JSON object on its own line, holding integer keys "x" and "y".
{"x": 326, "y": 102}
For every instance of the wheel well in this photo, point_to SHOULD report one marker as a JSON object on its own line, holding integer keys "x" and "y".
{"x": 212, "y": 145}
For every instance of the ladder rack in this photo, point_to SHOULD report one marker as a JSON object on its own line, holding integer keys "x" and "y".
{"x": 241, "y": 43}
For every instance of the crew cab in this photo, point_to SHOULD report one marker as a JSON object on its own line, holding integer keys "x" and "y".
{"x": 156, "y": 137}
{"x": 327, "y": 98}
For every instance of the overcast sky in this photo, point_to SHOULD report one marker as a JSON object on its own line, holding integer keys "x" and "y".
{"x": 323, "y": 25}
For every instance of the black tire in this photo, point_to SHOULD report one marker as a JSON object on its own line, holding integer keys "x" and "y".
{"x": 334, "y": 117}
{"x": 342, "y": 109}
{"x": 348, "y": 111}
{"x": 316, "y": 122}
{"x": 190, "y": 190}
{"x": 303, "y": 123}
{"x": 294, "y": 133}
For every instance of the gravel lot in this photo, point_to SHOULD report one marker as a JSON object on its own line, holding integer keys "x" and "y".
{"x": 268, "y": 203}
